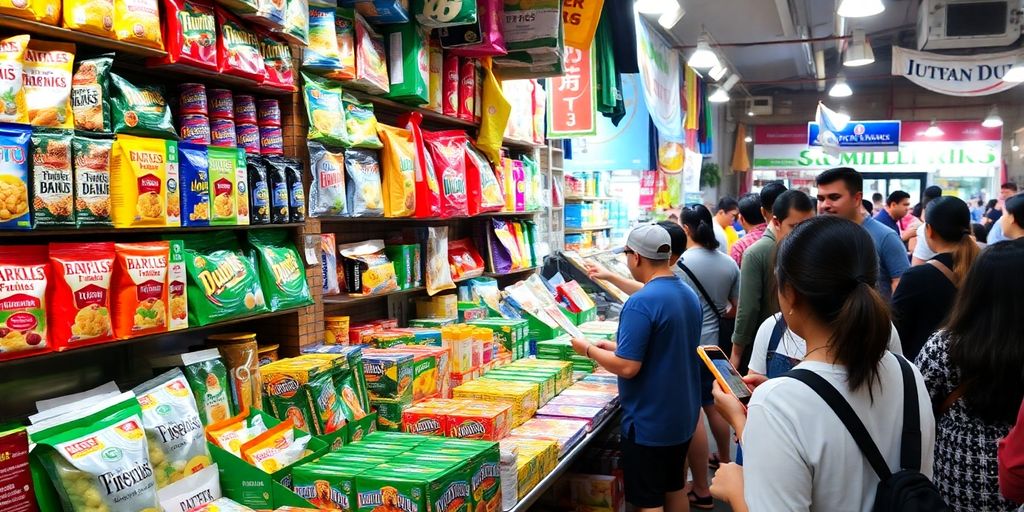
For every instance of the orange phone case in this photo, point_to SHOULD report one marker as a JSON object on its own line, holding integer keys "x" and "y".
{"x": 702, "y": 352}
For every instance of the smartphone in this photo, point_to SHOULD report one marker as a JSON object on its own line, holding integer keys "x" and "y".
{"x": 725, "y": 373}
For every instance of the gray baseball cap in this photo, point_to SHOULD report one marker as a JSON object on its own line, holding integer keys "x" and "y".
{"x": 651, "y": 241}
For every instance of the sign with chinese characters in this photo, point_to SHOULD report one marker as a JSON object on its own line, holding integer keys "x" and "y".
{"x": 579, "y": 22}
{"x": 571, "y": 98}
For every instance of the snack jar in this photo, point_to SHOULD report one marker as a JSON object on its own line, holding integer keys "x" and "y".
{"x": 337, "y": 330}
{"x": 271, "y": 140}
{"x": 222, "y": 133}
{"x": 245, "y": 109}
{"x": 192, "y": 99}
{"x": 241, "y": 356}
{"x": 248, "y": 136}
{"x": 194, "y": 128}
{"x": 268, "y": 354}
{"x": 268, "y": 112}
{"x": 221, "y": 103}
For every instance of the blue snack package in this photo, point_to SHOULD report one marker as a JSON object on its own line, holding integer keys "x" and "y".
{"x": 14, "y": 176}
{"x": 193, "y": 170}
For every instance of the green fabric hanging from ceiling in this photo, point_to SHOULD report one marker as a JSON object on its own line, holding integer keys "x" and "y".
{"x": 609, "y": 81}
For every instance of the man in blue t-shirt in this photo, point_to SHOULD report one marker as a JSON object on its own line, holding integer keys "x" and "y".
{"x": 658, "y": 368}
{"x": 840, "y": 191}
{"x": 896, "y": 207}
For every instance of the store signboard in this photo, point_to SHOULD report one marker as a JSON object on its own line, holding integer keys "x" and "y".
{"x": 857, "y": 135}
{"x": 956, "y": 75}
{"x": 579, "y": 21}
{"x": 622, "y": 147}
{"x": 572, "y": 98}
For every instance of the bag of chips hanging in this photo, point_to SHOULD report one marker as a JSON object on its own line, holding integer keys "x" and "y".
{"x": 238, "y": 48}
{"x": 367, "y": 269}
{"x": 408, "y": 63}
{"x": 296, "y": 22}
{"x": 222, "y": 282}
{"x": 445, "y": 13}
{"x": 43, "y": 11}
{"x": 79, "y": 300}
{"x": 140, "y": 110}
{"x": 23, "y": 300}
{"x": 362, "y": 166}
{"x": 47, "y": 83}
{"x": 329, "y": 263}
{"x": 191, "y": 33}
{"x": 322, "y": 52}
{"x": 324, "y": 111}
{"x": 138, "y": 180}
{"x": 399, "y": 161}
{"x": 448, "y": 150}
{"x": 327, "y": 190}
{"x": 282, "y": 275}
{"x": 345, "y": 32}
{"x": 138, "y": 22}
{"x": 480, "y": 39}
{"x": 360, "y": 123}
{"x": 90, "y": 94}
{"x": 428, "y": 199}
{"x": 483, "y": 191}
{"x": 371, "y": 64}
{"x": 277, "y": 59}
{"x": 97, "y": 457}
{"x": 12, "y": 94}
{"x": 438, "y": 271}
{"x": 177, "y": 445}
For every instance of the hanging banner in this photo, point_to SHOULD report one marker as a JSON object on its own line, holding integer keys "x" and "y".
{"x": 692, "y": 164}
{"x": 659, "y": 74}
{"x": 571, "y": 98}
{"x": 857, "y": 136}
{"x": 579, "y": 22}
{"x": 955, "y": 75}
{"x": 616, "y": 148}
{"x": 647, "y": 179}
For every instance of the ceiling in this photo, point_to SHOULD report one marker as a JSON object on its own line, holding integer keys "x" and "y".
{"x": 766, "y": 68}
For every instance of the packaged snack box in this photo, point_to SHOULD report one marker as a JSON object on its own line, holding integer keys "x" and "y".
{"x": 327, "y": 486}
{"x": 425, "y": 336}
{"x": 389, "y": 413}
{"x": 138, "y": 180}
{"x": 407, "y": 264}
{"x": 284, "y": 384}
{"x": 430, "y": 421}
{"x": 441, "y": 380}
{"x": 432, "y": 322}
{"x": 522, "y": 396}
{"x": 388, "y": 338}
{"x": 545, "y": 385}
{"x": 566, "y": 432}
{"x": 388, "y": 376}
{"x": 487, "y": 421}
{"x": 413, "y": 489}
{"x": 177, "y": 300}
{"x": 591, "y": 415}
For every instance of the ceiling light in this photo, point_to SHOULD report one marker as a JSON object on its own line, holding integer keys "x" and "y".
{"x": 859, "y": 52}
{"x": 860, "y": 8}
{"x": 731, "y": 82}
{"x": 750, "y": 113}
{"x": 703, "y": 57}
{"x": 719, "y": 96}
{"x": 649, "y": 6}
{"x": 992, "y": 120}
{"x": 718, "y": 72}
{"x": 748, "y": 139}
{"x": 934, "y": 130}
{"x": 671, "y": 16}
{"x": 1015, "y": 148}
{"x": 840, "y": 89}
{"x": 1015, "y": 74}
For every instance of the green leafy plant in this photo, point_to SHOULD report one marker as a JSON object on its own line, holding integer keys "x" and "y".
{"x": 710, "y": 175}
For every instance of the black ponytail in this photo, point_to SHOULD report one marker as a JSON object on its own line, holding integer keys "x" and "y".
{"x": 698, "y": 219}
{"x": 949, "y": 218}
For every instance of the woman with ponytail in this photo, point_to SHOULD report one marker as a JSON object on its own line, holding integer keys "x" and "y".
{"x": 797, "y": 453}
{"x": 926, "y": 292}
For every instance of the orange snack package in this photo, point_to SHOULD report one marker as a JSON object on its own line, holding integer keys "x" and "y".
{"x": 488, "y": 421}
{"x": 80, "y": 295}
{"x": 140, "y": 278}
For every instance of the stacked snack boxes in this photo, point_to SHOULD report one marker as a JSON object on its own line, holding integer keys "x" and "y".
{"x": 466, "y": 419}
{"x": 319, "y": 392}
{"x": 389, "y": 378}
{"x": 560, "y": 348}
{"x": 566, "y": 432}
{"x": 524, "y": 397}
{"x": 512, "y": 334}
{"x": 545, "y": 383}
{"x": 536, "y": 458}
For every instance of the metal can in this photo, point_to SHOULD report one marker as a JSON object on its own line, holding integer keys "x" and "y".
{"x": 268, "y": 111}
{"x": 336, "y": 330}
{"x": 245, "y": 109}
{"x": 221, "y": 103}
{"x": 192, "y": 99}
{"x": 194, "y": 128}
{"x": 271, "y": 140}
{"x": 222, "y": 133}
{"x": 248, "y": 136}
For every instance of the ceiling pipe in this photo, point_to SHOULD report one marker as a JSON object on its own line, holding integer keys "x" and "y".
{"x": 819, "y": 66}
{"x": 767, "y": 43}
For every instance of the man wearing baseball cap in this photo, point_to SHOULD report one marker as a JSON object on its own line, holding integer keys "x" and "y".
{"x": 659, "y": 380}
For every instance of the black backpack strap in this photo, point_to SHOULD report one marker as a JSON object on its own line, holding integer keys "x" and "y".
{"x": 847, "y": 415}
{"x": 700, "y": 288}
{"x": 777, "y": 332}
{"x": 910, "y": 445}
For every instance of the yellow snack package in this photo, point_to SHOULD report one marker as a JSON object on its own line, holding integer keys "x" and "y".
{"x": 138, "y": 21}
{"x": 397, "y": 159}
{"x": 47, "y": 83}
{"x": 138, "y": 180}
{"x": 233, "y": 432}
{"x": 275, "y": 449}
{"x": 90, "y": 16}
{"x": 44, "y": 11}
{"x": 12, "y": 63}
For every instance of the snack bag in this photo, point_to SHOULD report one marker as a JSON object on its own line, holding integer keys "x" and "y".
{"x": 408, "y": 64}
{"x": 327, "y": 405}
{"x": 177, "y": 447}
{"x": 327, "y": 190}
{"x": 428, "y": 200}
{"x": 322, "y": 52}
{"x": 12, "y": 62}
{"x": 277, "y": 59}
{"x": 222, "y": 283}
{"x": 483, "y": 191}
{"x": 208, "y": 379}
{"x": 90, "y": 16}
{"x": 140, "y": 278}
{"x": 269, "y": 13}
{"x": 14, "y": 177}
{"x": 398, "y": 157}
{"x": 97, "y": 457}
{"x": 282, "y": 275}
{"x": 190, "y": 29}
{"x": 140, "y": 110}
{"x": 52, "y": 179}
{"x": 367, "y": 268}
{"x": 439, "y": 273}
{"x": 329, "y": 264}
{"x": 241, "y": 188}
{"x": 296, "y": 195}
{"x": 296, "y": 22}
{"x": 345, "y": 33}
{"x": 364, "y": 189}
{"x": 43, "y": 11}
{"x": 444, "y": 13}
{"x": 79, "y": 299}
{"x": 371, "y": 66}
{"x": 259, "y": 190}
{"x": 360, "y": 123}
{"x": 224, "y": 200}
{"x": 194, "y": 168}
{"x": 447, "y": 149}
{"x": 324, "y": 111}
{"x": 23, "y": 300}
{"x": 232, "y": 433}
{"x": 177, "y": 301}
{"x": 138, "y": 180}
{"x": 277, "y": 180}
{"x": 275, "y": 449}
{"x": 92, "y": 180}
{"x": 18, "y": 476}
{"x": 238, "y": 49}
{"x": 195, "y": 490}
{"x": 480, "y": 39}
{"x": 435, "y": 66}
{"x": 90, "y": 94}
{"x": 47, "y": 83}
{"x": 138, "y": 22}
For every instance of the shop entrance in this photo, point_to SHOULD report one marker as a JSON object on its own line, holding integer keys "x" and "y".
{"x": 886, "y": 183}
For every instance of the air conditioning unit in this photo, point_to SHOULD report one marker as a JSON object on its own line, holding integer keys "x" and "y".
{"x": 758, "y": 105}
{"x": 947, "y": 24}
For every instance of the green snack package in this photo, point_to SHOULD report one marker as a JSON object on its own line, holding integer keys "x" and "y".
{"x": 350, "y": 403}
{"x": 97, "y": 457}
{"x": 92, "y": 180}
{"x": 296, "y": 22}
{"x": 361, "y": 123}
{"x": 408, "y": 63}
{"x": 140, "y": 110}
{"x": 327, "y": 487}
{"x": 444, "y": 13}
{"x": 389, "y": 376}
{"x": 282, "y": 276}
{"x": 53, "y": 202}
{"x": 222, "y": 172}
{"x": 325, "y": 403}
{"x": 324, "y": 111}
{"x": 407, "y": 264}
{"x": 177, "y": 446}
{"x": 208, "y": 378}
{"x": 90, "y": 94}
{"x": 222, "y": 283}
{"x": 389, "y": 413}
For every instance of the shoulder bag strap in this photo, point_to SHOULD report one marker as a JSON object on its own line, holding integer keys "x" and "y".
{"x": 941, "y": 267}
{"x": 951, "y": 399}
{"x": 910, "y": 445}
{"x": 847, "y": 415}
{"x": 777, "y": 332}
{"x": 700, "y": 288}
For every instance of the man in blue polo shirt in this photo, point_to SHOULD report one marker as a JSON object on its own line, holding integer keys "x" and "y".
{"x": 658, "y": 368}
{"x": 896, "y": 207}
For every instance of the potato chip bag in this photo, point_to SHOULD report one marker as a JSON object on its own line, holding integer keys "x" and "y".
{"x": 238, "y": 48}
{"x": 222, "y": 282}
{"x": 259, "y": 190}
{"x": 448, "y": 151}
{"x": 232, "y": 433}
{"x": 43, "y": 11}
{"x": 90, "y": 94}
{"x": 47, "y": 83}
{"x": 140, "y": 110}
{"x": 362, "y": 166}
{"x": 399, "y": 161}
{"x": 324, "y": 111}
{"x": 427, "y": 190}
{"x": 177, "y": 283}
{"x": 208, "y": 378}
{"x": 322, "y": 51}
{"x": 345, "y": 33}
{"x": 79, "y": 300}
{"x": 97, "y": 457}
{"x": 282, "y": 275}
{"x": 296, "y": 195}
{"x": 277, "y": 180}
{"x": 90, "y": 16}
{"x": 52, "y": 179}
{"x": 223, "y": 199}
{"x": 439, "y": 272}
{"x": 483, "y": 191}
{"x": 190, "y": 29}
{"x": 138, "y": 22}
{"x": 371, "y": 64}
{"x": 277, "y": 59}
{"x": 14, "y": 177}
{"x": 327, "y": 406}
{"x": 360, "y": 123}
{"x": 275, "y": 449}
{"x": 12, "y": 93}
{"x": 327, "y": 190}
{"x": 177, "y": 447}
{"x": 26, "y": 272}
{"x": 92, "y": 180}
{"x": 138, "y": 180}
{"x": 194, "y": 172}
{"x": 140, "y": 280}
{"x": 296, "y": 22}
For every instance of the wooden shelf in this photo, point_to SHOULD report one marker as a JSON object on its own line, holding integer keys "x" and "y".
{"x": 331, "y": 220}
{"x": 235, "y": 82}
{"x": 587, "y": 198}
{"x": 147, "y": 338}
{"x": 56, "y": 32}
{"x": 42, "y": 232}
{"x": 585, "y": 230}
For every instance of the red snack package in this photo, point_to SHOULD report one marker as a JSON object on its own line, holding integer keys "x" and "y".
{"x": 15, "y": 475}
{"x": 277, "y": 60}
{"x": 464, "y": 259}
{"x": 25, "y": 272}
{"x": 448, "y": 151}
{"x": 450, "y": 85}
{"x": 428, "y": 193}
{"x": 467, "y": 88}
{"x": 238, "y": 49}
{"x": 190, "y": 33}
{"x": 79, "y": 297}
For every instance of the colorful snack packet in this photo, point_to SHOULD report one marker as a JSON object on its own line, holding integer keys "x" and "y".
{"x": 138, "y": 22}
{"x": 222, "y": 282}
{"x": 324, "y": 111}
{"x": 47, "y": 83}
{"x": 90, "y": 94}
{"x": 12, "y": 65}
{"x": 327, "y": 190}
{"x": 140, "y": 278}
{"x": 361, "y": 123}
{"x": 175, "y": 433}
{"x": 322, "y": 52}
{"x": 235, "y": 431}
{"x": 208, "y": 378}
{"x": 398, "y": 159}
{"x": 275, "y": 449}
{"x": 92, "y": 180}
{"x": 23, "y": 300}
{"x": 364, "y": 187}
{"x": 282, "y": 275}
{"x": 80, "y": 299}
{"x": 190, "y": 27}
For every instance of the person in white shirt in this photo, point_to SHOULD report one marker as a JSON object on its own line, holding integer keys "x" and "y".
{"x": 798, "y": 455}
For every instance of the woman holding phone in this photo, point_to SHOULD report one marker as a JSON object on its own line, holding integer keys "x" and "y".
{"x": 797, "y": 452}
